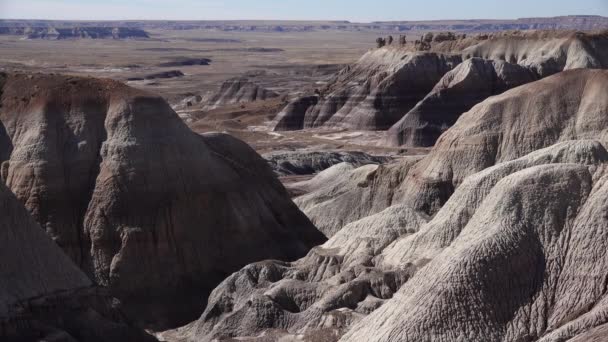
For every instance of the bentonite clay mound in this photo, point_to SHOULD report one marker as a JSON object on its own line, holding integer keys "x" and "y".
{"x": 155, "y": 212}
{"x": 237, "y": 90}
{"x": 504, "y": 259}
{"x": 386, "y": 84}
{"x": 469, "y": 83}
{"x": 44, "y": 296}
{"x": 361, "y": 267}
{"x": 372, "y": 94}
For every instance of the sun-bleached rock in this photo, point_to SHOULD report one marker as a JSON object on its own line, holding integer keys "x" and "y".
{"x": 568, "y": 106}
{"x": 521, "y": 268}
{"x": 343, "y": 194}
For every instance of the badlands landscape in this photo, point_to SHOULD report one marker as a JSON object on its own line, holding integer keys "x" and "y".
{"x": 319, "y": 181}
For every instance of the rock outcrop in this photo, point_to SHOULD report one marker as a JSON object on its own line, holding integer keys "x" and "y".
{"x": 372, "y": 94}
{"x": 43, "y": 294}
{"x": 385, "y": 86}
{"x": 146, "y": 207}
{"x": 459, "y": 90}
{"x": 569, "y": 105}
{"x": 526, "y": 266}
{"x": 345, "y": 193}
{"x": 237, "y": 90}
{"x": 545, "y": 52}
{"x": 308, "y": 163}
{"x": 360, "y": 268}
{"x": 516, "y": 253}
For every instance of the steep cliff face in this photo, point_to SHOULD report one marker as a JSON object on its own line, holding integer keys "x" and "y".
{"x": 43, "y": 294}
{"x": 155, "y": 212}
{"x": 373, "y": 93}
{"x": 459, "y": 90}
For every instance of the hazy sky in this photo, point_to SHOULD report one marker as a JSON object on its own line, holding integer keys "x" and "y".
{"x": 354, "y": 10}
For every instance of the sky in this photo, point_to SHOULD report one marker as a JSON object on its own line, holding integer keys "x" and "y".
{"x": 353, "y": 10}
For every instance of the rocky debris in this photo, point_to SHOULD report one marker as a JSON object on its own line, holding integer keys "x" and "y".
{"x": 459, "y": 90}
{"x": 372, "y": 94}
{"x": 155, "y": 212}
{"x": 157, "y": 75}
{"x": 357, "y": 272}
{"x": 43, "y": 294}
{"x": 236, "y": 90}
{"x": 308, "y": 163}
{"x": 185, "y": 61}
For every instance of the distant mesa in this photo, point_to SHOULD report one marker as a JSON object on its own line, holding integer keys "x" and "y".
{"x": 232, "y": 91}
{"x": 185, "y": 61}
{"x": 76, "y": 32}
{"x": 158, "y": 75}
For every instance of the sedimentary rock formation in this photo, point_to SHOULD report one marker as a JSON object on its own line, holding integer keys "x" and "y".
{"x": 469, "y": 83}
{"x": 526, "y": 266}
{"x": 566, "y": 106}
{"x": 386, "y": 83}
{"x": 237, "y": 90}
{"x": 345, "y": 193}
{"x": 372, "y": 94}
{"x": 43, "y": 294}
{"x": 307, "y": 163}
{"x": 151, "y": 210}
{"x": 360, "y": 268}
{"x": 516, "y": 253}
{"x": 545, "y": 52}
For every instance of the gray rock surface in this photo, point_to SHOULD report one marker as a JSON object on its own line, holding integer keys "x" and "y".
{"x": 158, "y": 214}
{"x": 459, "y": 90}
{"x": 43, "y": 294}
{"x": 362, "y": 266}
{"x": 308, "y": 163}
{"x": 372, "y": 94}
{"x": 525, "y": 267}
{"x": 236, "y": 90}
{"x": 516, "y": 253}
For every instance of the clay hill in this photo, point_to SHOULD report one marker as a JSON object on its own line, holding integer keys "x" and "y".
{"x": 44, "y": 296}
{"x": 419, "y": 90}
{"x": 154, "y": 212}
{"x": 497, "y": 234}
{"x": 237, "y": 90}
